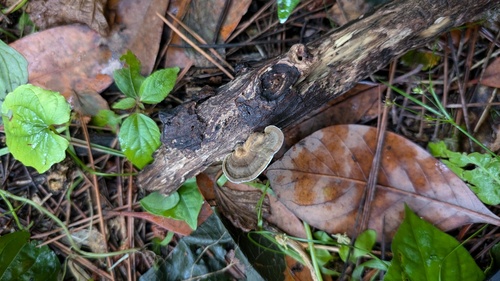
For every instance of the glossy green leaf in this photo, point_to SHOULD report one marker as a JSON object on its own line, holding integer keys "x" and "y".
{"x": 189, "y": 205}
{"x": 129, "y": 78}
{"x": 158, "y": 85}
{"x": 423, "y": 252}
{"x": 13, "y": 70}
{"x": 139, "y": 137}
{"x": 480, "y": 171}
{"x": 157, "y": 203}
{"x": 23, "y": 260}
{"x": 30, "y": 114}
{"x": 10, "y": 245}
{"x": 285, "y": 8}
{"x": 126, "y": 103}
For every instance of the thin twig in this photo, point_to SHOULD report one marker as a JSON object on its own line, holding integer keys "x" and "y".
{"x": 97, "y": 194}
{"x": 192, "y": 44}
{"x": 201, "y": 40}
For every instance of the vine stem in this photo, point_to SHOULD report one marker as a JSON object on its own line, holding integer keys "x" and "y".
{"x": 5, "y": 194}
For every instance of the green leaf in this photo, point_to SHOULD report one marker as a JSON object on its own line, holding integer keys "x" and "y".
{"x": 495, "y": 262}
{"x": 126, "y": 103}
{"x": 29, "y": 114}
{"x": 139, "y": 137}
{"x": 323, "y": 256}
{"x": 285, "y": 8}
{"x": 483, "y": 179}
{"x": 25, "y": 24}
{"x": 415, "y": 57}
{"x": 129, "y": 79}
{"x": 13, "y": 70}
{"x": 362, "y": 246}
{"x": 423, "y": 252}
{"x": 157, "y": 203}
{"x": 21, "y": 260}
{"x": 10, "y": 244}
{"x": 106, "y": 117}
{"x": 189, "y": 205}
{"x": 158, "y": 85}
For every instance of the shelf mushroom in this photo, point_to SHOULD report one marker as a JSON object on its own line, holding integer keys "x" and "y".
{"x": 247, "y": 161}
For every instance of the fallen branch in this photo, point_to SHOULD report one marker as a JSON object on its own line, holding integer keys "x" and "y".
{"x": 201, "y": 132}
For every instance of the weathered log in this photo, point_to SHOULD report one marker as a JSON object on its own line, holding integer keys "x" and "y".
{"x": 199, "y": 133}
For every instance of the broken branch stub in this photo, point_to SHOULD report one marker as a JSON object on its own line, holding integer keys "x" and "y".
{"x": 249, "y": 160}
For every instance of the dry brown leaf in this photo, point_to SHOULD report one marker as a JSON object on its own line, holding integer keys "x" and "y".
{"x": 323, "y": 178}
{"x": 91, "y": 238}
{"x": 50, "y": 13}
{"x": 360, "y": 104}
{"x": 284, "y": 219}
{"x": 77, "y": 62}
{"x": 238, "y": 203}
{"x": 206, "y": 182}
{"x": 295, "y": 270}
{"x": 491, "y": 76}
{"x": 347, "y": 10}
{"x": 203, "y": 17}
{"x": 177, "y": 226}
{"x": 276, "y": 214}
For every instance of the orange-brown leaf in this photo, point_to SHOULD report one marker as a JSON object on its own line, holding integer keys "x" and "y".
{"x": 491, "y": 76}
{"x": 77, "y": 62}
{"x": 323, "y": 178}
{"x": 177, "y": 226}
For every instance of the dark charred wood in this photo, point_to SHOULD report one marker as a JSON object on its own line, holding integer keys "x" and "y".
{"x": 202, "y": 132}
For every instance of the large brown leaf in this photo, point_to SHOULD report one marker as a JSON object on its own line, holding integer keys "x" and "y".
{"x": 491, "y": 75}
{"x": 358, "y": 105}
{"x": 323, "y": 178}
{"x": 79, "y": 63}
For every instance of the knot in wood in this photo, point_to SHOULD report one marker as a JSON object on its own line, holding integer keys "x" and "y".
{"x": 277, "y": 81}
{"x": 299, "y": 54}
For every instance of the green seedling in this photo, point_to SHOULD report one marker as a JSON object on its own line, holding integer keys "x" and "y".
{"x": 184, "y": 204}
{"x": 139, "y": 135}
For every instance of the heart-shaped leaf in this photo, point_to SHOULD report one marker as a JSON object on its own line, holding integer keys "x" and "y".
{"x": 30, "y": 115}
{"x": 139, "y": 137}
{"x": 323, "y": 178}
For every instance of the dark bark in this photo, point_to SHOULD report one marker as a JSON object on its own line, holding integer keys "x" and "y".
{"x": 202, "y": 132}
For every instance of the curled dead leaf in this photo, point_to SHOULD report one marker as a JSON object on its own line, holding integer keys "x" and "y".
{"x": 323, "y": 177}
{"x": 238, "y": 203}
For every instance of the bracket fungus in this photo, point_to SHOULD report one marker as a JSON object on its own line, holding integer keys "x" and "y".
{"x": 250, "y": 159}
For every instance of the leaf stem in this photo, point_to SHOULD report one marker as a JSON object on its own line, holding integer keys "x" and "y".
{"x": 13, "y": 212}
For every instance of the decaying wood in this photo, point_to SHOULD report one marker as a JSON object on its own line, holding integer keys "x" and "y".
{"x": 201, "y": 132}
